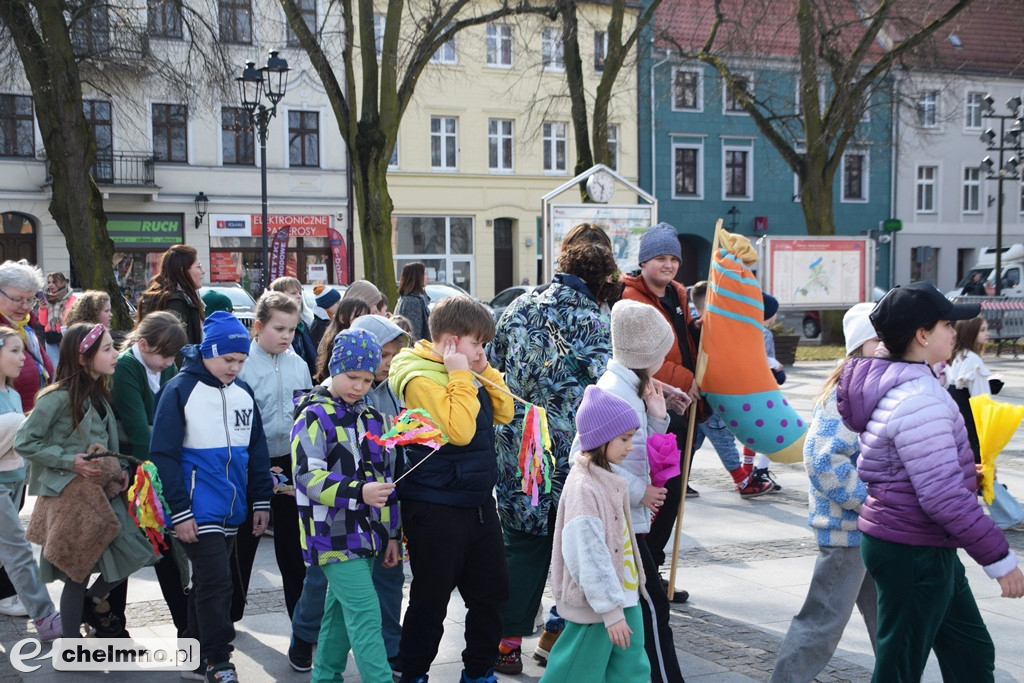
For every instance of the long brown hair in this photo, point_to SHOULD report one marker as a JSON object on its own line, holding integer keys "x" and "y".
{"x": 74, "y": 377}
{"x": 967, "y": 336}
{"x": 174, "y": 277}
{"x": 598, "y": 457}
{"x": 412, "y": 279}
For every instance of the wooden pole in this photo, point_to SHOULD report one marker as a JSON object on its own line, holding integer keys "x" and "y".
{"x": 698, "y": 375}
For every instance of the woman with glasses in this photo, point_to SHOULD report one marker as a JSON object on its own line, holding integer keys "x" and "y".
{"x": 19, "y": 283}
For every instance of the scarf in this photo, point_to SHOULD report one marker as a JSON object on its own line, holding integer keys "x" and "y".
{"x": 55, "y": 305}
{"x": 28, "y": 336}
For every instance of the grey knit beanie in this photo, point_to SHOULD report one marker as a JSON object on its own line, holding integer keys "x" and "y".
{"x": 659, "y": 239}
{"x": 640, "y": 335}
{"x": 603, "y": 416}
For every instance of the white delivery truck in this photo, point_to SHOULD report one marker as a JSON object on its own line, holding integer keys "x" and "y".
{"x": 1012, "y": 265}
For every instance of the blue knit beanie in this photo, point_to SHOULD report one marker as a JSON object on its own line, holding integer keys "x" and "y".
{"x": 659, "y": 239}
{"x": 771, "y": 305}
{"x": 223, "y": 333}
{"x": 328, "y": 298}
{"x": 354, "y": 350}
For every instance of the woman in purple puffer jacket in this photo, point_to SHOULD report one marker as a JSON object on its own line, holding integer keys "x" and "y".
{"x": 922, "y": 495}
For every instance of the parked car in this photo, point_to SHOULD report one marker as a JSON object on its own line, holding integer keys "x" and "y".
{"x": 242, "y": 303}
{"x": 506, "y": 296}
{"x": 309, "y": 298}
{"x": 810, "y": 322}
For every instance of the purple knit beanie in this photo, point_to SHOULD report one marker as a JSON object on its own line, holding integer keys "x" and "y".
{"x": 602, "y": 416}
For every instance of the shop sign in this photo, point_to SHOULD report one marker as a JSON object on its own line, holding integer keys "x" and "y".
{"x": 149, "y": 231}
{"x": 250, "y": 225}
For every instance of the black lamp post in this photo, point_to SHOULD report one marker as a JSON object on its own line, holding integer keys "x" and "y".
{"x": 202, "y": 201}
{"x": 1007, "y": 169}
{"x": 734, "y": 215}
{"x": 272, "y": 81}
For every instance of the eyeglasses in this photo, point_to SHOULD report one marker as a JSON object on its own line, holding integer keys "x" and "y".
{"x": 17, "y": 302}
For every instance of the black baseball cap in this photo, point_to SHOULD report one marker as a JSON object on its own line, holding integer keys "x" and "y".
{"x": 919, "y": 304}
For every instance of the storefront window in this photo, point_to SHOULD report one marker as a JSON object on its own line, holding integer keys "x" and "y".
{"x": 140, "y": 240}
{"x": 446, "y": 241}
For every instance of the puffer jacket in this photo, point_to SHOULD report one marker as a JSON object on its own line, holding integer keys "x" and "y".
{"x": 916, "y": 462}
{"x": 274, "y": 378}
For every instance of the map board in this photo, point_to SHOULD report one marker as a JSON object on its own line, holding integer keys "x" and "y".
{"x": 624, "y": 225}
{"x": 818, "y": 272}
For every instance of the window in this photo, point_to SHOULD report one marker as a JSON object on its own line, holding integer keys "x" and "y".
{"x": 744, "y": 82}
{"x": 972, "y": 111}
{"x": 393, "y": 161}
{"x": 170, "y": 132}
{"x": 552, "y": 57}
{"x": 444, "y": 142}
{"x": 927, "y": 109}
{"x": 738, "y": 178}
{"x": 926, "y": 176}
{"x": 972, "y": 190}
{"x": 307, "y": 10}
{"x": 855, "y": 177}
{"x": 446, "y": 53}
{"x": 164, "y": 18}
{"x": 686, "y": 90}
{"x": 499, "y": 45}
{"x": 235, "y": 18}
{"x": 90, "y": 34}
{"x": 924, "y": 264}
{"x": 613, "y": 146}
{"x": 555, "y": 143}
{"x": 378, "y": 33}
{"x": 600, "y": 50}
{"x": 687, "y": 172}
{"x": 17, "y": 134}
{"x": 97, "y": 116}
{"x": 499, "y": 144}
{"x": 443, "y": 243}
{"x": 304, "y": 139}
{"x": 237, "y": 142}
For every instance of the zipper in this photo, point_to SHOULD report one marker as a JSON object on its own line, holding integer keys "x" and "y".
{"x": 280, "y": 403}
{"x": 227, "y": 465}
{"x": 192, "y": 487}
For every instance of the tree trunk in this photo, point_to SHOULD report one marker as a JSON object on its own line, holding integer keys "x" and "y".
{"x": 374, "y": 204}
{"x": 816, "y": 197}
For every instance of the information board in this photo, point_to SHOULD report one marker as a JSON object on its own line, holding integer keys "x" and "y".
{"x": 817, "y": 272}
{"x": 623, "y": 223}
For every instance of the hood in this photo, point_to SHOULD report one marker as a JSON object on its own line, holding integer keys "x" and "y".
{"x": 193, "y": 365}
{"x": 864, "y": 381}
{"x": 419, "y": 359}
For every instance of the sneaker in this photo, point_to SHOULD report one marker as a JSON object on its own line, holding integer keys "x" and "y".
{"x": 692, "y": 492}
{"x": 12, "y": 607}
{"x": 48, "y": 628}
{"x": 488, "y": 677}
{"x": 764, "y": 474}
{"x": 300, "y": 655}
{"x": 417, "y": 679}
{"x": 679, "y": 597}
{"x": 221, "y": 673}
{"x": 510, "y": 663}
{"x": 547, "y": 641}
{"x": 755, "y": 487}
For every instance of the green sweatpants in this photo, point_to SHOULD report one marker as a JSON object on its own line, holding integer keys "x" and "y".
{"x": 584, "y": 653}
{"x": 351, "y": 621}
{"x": 925, "y": 603}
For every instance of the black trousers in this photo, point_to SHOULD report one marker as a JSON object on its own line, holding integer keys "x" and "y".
{"x": 243, "y": 554}
{"x": 661, "y": 527}
{"x": 287, "y": 547}
{"x": 209, "y": 602}
{"x": 449, "y": 548}
{"x": 175, "y": 596}
{"x": 658, "y": 641}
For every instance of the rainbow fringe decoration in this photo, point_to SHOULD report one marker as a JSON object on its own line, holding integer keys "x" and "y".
{"x": 536, "y": 461}
{"x": 411, "y": 426}
{"x": 147, "y": 506}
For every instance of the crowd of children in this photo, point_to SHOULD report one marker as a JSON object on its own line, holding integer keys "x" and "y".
{"x": 242, "y": 433}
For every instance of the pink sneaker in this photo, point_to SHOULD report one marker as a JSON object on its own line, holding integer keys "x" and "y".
{"x": 49, "y": 627}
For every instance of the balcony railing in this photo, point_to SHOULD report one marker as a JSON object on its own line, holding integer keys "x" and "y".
{"x": 120, "y": 168}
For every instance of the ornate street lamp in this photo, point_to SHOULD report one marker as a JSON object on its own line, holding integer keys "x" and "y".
{"x": 202, "y": 202}
{"x": 1008, "y": 140}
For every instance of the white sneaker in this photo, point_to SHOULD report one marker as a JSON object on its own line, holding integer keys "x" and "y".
{"x": 12, "y": 607}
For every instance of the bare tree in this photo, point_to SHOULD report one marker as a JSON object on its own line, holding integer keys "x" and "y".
{"x": 847, "y": 45}
{"x": 369, "y": 107}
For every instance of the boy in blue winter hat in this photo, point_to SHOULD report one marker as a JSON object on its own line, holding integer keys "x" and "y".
{"x": 209, "y": 447}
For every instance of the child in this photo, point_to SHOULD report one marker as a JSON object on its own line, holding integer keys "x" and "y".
{"x": 641, "y": 338}
{"x": 15, "y": 552}
{"x": 448, "y": 501}
{"x": 967, "y": 374}
{"x": 274, "y": 372}
{"x": 146, "y": 363}
{"x": 840, "y": 580}
{"x": 348, "y": 513}
{"x": 387, "y": 579}
{"x": 347, "y": 311}
{"x": 81, "y": 534}
{"x": 92, "y": 307}
{"x": 212, "y": 456}
{"x": 302, "y": 344}
{"x": 595, "y": 573}
{"x": 755, "y": 465}
{"x": 327, "y": 300}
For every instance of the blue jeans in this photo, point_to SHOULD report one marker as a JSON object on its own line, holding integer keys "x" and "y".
{"x": 16, "y": 554}
{"x": 722, "y": 439}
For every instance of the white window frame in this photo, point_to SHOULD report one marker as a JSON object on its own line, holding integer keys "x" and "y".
{"x": 498, "y": 140}
{"x": 700, "y": 89}
{"x": 286, "y": 135}
{"x": 927, "y": 103}
{"x": 552, "y": 52}
{"x": 866, "y": 114}
{"x": 737, "y": 146}
{"x": 448, "y": 256}
{"x": 965, "y": 188}
{"x": 600, "y": 49}
{"x": 379, "y": 21}
{"x": 699, "y": 147}
{"x": 551, "y": 143}
{"x": 865, "y": 178}
{"x": 614, "y": 144}
{"x": 446, "y": 54}
{"x": 442, "y": 136}
{"x": 797, "y": 189}
{"x": 749, "y": 75}
{"x": 498, "y": 36}
{"x": 968, "y": 106}
{"x": 394, "y": 163}
{"x": 921, "y": 184}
